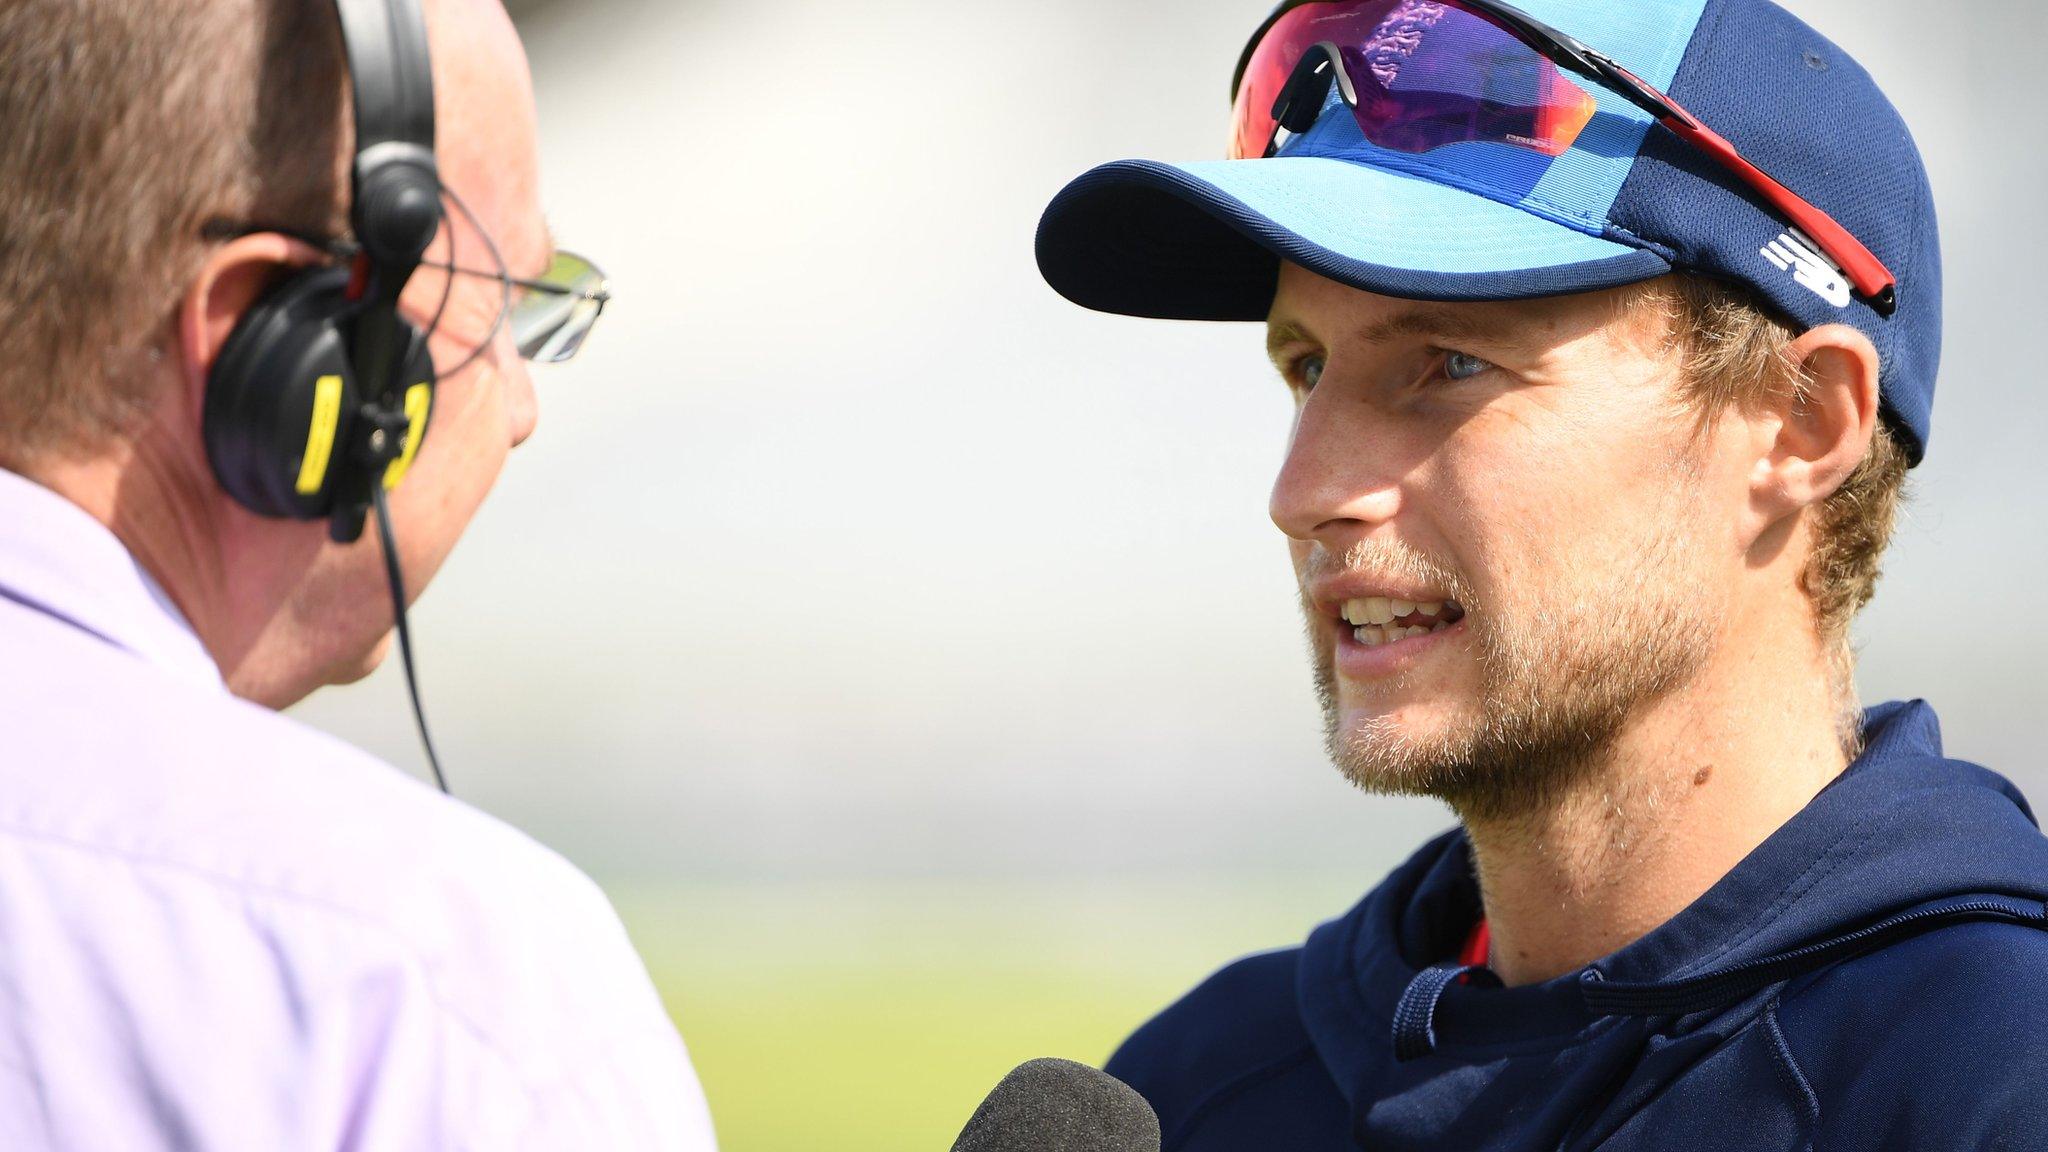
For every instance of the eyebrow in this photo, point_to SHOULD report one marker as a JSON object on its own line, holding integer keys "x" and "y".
{"x": 1423, "y": 321}
{"x": 1282, "y": 334}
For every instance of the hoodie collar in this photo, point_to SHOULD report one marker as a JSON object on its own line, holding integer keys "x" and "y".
{"x": 1901, "y": 827}
{"x": 56, "y": 559}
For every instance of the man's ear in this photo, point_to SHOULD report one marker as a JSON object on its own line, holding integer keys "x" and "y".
{"x": 234, "y": 277}
{"x": 1809, "y": 444}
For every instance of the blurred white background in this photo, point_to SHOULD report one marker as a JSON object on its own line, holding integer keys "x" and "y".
{"x": 849, "y": 549}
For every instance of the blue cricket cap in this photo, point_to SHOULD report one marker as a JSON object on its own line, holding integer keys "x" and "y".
{"x": 1627, "y": 202}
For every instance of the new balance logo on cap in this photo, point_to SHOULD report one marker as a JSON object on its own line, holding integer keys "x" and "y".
{"x": 1794, "y": 253}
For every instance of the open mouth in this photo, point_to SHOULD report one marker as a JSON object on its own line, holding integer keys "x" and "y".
{"x": 1378, "y": 620}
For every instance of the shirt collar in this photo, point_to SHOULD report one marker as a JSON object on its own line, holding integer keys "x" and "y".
{"x": 56, "y": 559}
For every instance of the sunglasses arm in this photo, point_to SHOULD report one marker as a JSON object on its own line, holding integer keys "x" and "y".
{"x": 1301, "y": 100}
{"x": 1866, "y": 273}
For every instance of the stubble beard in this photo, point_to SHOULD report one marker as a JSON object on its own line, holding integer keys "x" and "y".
{"x": 1556, "y": 689}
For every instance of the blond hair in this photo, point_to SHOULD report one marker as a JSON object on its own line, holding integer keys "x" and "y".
{"x": 1734, "y": 351}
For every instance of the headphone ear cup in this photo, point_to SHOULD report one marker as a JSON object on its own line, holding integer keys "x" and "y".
{"x": 282, "y": 399}
{"x": 412, "y": 395}
{"x": 419, "y": 379}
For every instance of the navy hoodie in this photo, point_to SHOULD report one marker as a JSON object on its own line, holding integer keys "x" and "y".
{"x": 1875, "y": 975}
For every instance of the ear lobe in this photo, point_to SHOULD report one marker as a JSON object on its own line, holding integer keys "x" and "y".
{"x": 235, "y": 276}
{"x": 1823, "y": 433}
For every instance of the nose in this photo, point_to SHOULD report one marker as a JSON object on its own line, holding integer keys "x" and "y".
{"x": 522, "y": 409}
{"x": 1335, "y": 482}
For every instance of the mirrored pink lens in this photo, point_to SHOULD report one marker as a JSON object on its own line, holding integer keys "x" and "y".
{"x": 1426, "y": 73}
{"x": 1431, "y": 74}
{"x": 1272, "y": 62}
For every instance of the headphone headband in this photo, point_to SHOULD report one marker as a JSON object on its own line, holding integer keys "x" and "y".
{"x": 395, "y": 209}
{"x": 395, "y": 201}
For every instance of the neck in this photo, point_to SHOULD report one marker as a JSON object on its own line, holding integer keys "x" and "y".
{"x": 1688, "y": 789}
{"x": 164, "y": 507}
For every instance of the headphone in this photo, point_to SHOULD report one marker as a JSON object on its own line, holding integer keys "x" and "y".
{"x": 323, "y": 391}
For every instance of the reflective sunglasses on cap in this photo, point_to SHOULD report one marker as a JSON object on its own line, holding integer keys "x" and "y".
{"x": 1423, "y": 74}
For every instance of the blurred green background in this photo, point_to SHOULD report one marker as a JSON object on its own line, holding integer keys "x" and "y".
{"x": 865, "y": 1017}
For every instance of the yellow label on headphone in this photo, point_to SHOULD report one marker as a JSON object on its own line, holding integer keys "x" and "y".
{"x": 320, "y": 437}
{"x": 417, "y": 400}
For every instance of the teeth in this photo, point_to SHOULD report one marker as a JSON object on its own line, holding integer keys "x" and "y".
{"x": 1380, "y": 611}
{"x": 1372, "y": 610}
{"x": 1373, "y": 636}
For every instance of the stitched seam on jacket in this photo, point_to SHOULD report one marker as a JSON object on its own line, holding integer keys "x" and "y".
{"x": 1244, "y": 1083}
{"x": 1836, "y": 855}
{"x": 1788, "y": 1069}
{"x": 1839, "y": 853}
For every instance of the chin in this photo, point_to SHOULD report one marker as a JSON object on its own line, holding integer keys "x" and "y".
{"x": 1414, "y": 703}
{"x": 1414, "y": 724}
{"x": 257, "y": 682}
{"x": 359, "y": 668}
{"x": 1393, "y": 733}
{"x": 1417, "y": 719}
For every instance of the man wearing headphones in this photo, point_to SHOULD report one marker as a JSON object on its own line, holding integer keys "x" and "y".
{"x": 234, "y": 316}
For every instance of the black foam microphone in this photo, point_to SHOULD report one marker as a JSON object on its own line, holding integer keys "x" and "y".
{"x": 1060, "y": 1106}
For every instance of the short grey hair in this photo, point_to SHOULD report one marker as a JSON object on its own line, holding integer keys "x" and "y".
{"x": 127, "y": 132}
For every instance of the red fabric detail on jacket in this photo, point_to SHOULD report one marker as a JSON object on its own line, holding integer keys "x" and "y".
{"x": 1478, "y": 946}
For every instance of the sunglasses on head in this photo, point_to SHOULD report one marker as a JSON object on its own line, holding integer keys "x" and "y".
{"x": 1424, "y": 74}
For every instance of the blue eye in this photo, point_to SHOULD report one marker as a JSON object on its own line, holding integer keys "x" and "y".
{"x": 1311, "y": 369}
{"x": 1463, "y": 366}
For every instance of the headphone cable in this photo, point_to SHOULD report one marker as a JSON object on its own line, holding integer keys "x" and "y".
{"x": 385, "y": 532}
{"x": 397, "y": 578}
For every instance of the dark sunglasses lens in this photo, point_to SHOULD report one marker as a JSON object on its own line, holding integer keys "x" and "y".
{"x": 550, "y": 326}
{"x": 1431, "y": 74}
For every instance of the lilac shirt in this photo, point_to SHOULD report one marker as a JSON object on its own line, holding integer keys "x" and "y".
{"x": 220, "y": 929}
